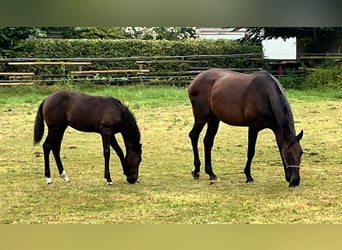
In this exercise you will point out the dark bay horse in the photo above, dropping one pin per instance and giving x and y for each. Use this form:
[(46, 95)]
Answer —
[(254, 100), (104, 115)]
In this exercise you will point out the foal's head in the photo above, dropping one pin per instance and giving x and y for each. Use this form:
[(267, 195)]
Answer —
[(132, 163), (131, 135), (292, 156)]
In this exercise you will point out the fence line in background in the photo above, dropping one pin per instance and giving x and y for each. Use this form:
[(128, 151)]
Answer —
[(31, 68)]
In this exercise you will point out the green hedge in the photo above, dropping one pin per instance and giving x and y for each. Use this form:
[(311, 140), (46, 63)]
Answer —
[(324, 77), (87, 48), (315, 78)]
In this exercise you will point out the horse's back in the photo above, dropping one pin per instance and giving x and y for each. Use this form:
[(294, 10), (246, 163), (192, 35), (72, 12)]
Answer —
[(216, 78), (203, 82), (81, 111), (235, 98)]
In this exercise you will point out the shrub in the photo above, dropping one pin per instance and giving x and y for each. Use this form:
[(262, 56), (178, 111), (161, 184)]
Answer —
[(292, 81), (324, 77), (102, 48)]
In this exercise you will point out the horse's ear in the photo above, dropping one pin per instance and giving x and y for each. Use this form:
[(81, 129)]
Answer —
[(300, 135)]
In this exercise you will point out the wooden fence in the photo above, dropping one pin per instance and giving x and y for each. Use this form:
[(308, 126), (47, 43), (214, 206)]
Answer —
[(31, 69), (28, 71)]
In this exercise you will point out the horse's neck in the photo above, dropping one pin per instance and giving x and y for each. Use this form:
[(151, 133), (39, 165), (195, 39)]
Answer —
[(130, 133), (287, 116), (289, 122)]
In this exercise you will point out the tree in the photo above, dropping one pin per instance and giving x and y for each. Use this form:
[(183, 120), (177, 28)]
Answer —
[(158, 33), (311, 39), (10, 36), (95, 33)]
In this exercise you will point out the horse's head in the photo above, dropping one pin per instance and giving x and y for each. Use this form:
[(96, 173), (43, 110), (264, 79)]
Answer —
[(131, 164), (292, 156)]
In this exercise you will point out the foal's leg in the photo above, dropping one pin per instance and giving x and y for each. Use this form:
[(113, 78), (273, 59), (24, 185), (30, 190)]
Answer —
[(115, 145), (106, 139), (47, 150), (194, 135), (56, 149), (213, 125), (53, 142), (252, 137)]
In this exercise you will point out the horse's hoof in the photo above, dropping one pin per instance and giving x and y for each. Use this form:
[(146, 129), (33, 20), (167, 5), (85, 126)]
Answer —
[(213, 181), (213, 178), (48, 181), (250, 180), (195, 175), (64, 176), (109, 183), (66, 179)]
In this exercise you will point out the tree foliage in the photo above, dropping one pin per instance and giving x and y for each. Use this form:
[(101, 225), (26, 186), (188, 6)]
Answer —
[(93, 32), (313, 39), (9, 36), (159, 33)]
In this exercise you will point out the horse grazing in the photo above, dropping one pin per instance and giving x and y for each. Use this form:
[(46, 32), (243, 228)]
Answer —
[(104, 115), (254, 100)]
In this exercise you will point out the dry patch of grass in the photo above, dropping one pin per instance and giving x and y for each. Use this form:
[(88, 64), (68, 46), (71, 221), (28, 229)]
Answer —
[(167, 193)]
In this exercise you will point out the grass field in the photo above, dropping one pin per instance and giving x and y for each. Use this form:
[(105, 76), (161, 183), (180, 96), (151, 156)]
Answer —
[(167, 193)]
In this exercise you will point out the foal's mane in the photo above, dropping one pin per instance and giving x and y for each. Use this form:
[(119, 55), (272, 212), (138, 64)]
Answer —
[(130, 128), (288, 124)]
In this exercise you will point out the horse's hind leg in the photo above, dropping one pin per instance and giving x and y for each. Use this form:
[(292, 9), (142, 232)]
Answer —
[(47, 150), (53, 142), (56, 149), (213, 125), (194, 135)]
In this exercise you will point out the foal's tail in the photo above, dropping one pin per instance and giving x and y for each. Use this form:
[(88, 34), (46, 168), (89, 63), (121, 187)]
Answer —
[(39, 125)]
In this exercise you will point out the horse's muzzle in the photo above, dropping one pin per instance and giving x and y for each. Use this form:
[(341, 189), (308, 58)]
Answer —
[(294, 182), (132, 179)]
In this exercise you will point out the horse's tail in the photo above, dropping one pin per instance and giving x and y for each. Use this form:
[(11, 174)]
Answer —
[(39, 125)]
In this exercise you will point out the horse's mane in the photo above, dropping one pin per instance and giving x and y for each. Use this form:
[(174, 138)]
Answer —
[(285, 106), (130, 127)]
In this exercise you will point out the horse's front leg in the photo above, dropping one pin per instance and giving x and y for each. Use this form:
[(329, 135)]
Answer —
[(53, 142), (115, 145), (106, 138), (252, 137)]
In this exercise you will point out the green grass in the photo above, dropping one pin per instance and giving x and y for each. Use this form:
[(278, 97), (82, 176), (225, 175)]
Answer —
[(167, 193), (146, 95)]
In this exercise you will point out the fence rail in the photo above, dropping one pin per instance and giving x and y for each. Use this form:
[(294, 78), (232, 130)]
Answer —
[(33, 70), (131, 58)]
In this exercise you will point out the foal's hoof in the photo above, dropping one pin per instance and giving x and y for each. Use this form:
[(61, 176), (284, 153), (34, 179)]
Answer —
[(64, 176), (195, 175), (48, 181), (65, 179), (249, 180)]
